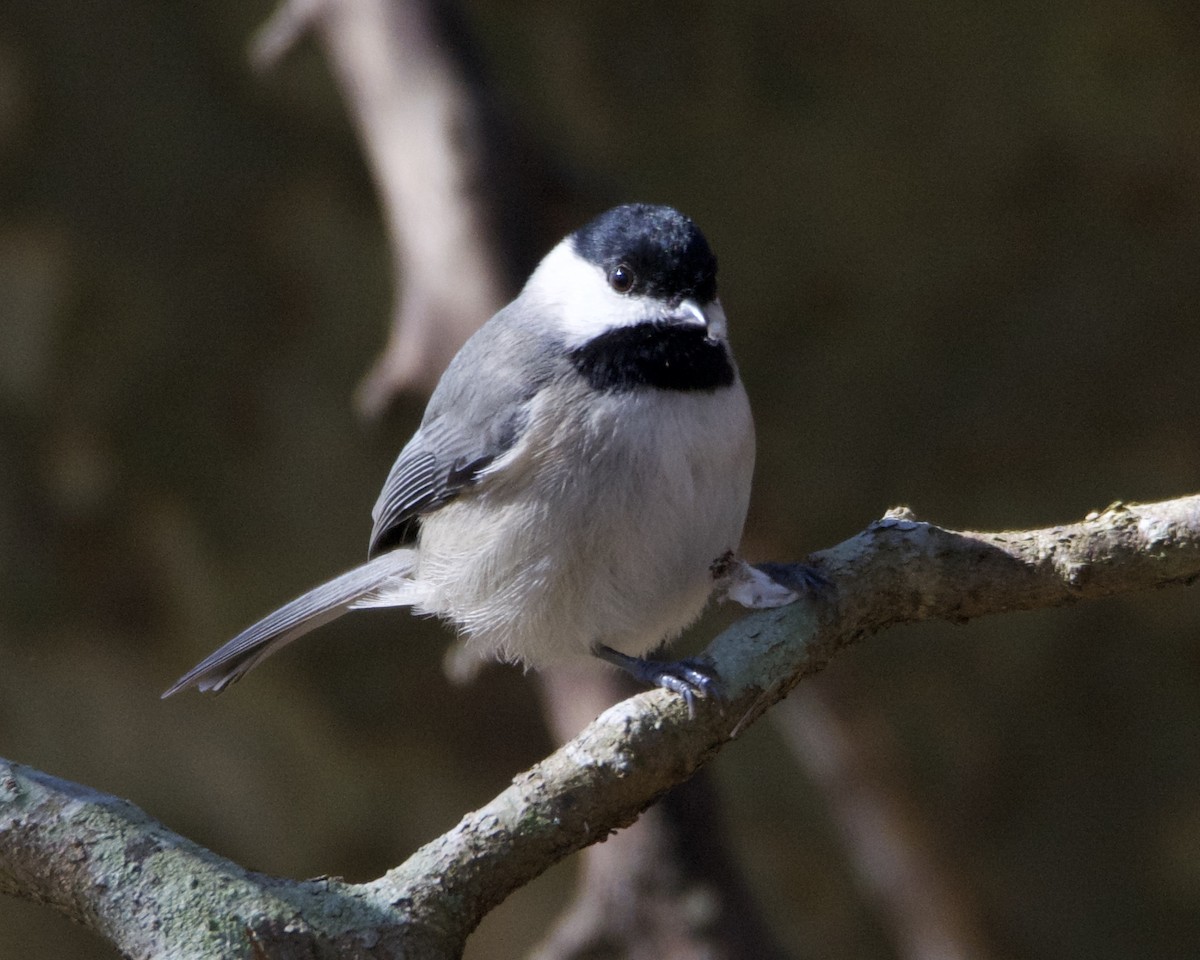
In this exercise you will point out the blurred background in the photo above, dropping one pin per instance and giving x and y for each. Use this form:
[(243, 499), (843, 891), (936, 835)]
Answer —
[(959, 253)]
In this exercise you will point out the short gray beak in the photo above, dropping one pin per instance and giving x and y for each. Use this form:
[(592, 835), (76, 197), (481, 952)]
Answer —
[(711, 317), (690, 312)]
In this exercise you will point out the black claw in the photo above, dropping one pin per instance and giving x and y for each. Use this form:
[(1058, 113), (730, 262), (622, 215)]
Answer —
[(689, 678)]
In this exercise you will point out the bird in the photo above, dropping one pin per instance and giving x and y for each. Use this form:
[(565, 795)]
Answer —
[(580, 477)]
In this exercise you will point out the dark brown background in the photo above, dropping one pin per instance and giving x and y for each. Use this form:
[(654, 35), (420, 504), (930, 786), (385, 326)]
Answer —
[(959, 253)]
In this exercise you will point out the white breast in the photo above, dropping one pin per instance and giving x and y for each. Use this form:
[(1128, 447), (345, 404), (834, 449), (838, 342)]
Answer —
[(594, 529)]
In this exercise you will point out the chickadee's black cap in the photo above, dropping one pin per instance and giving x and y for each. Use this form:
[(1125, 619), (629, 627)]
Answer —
[(669, 256)]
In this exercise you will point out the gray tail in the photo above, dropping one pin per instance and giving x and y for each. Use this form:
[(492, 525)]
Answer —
[(320, 605)]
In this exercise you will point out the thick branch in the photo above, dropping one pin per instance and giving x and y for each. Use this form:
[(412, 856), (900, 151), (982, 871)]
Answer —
[(152, 893), (108, 865)]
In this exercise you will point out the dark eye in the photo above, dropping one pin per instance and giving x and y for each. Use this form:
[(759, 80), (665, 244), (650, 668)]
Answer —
[(621, 278)]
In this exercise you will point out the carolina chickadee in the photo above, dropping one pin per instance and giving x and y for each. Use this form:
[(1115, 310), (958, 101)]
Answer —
[(581, 469)]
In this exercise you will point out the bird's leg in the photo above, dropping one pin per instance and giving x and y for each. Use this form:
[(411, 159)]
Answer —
[(689, 678)]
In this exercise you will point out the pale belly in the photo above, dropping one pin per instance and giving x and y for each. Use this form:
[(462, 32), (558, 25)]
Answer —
[(603, 533)]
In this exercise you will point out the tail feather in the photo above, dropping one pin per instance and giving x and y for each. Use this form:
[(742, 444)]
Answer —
[(320, 605)]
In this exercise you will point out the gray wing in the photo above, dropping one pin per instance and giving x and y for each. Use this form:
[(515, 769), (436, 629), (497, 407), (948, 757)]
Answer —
[(431, 470), (477, 413)]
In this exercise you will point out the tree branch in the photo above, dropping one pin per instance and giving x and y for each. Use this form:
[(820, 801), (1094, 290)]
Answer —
[(667, 887), (853, 756), (151, 892), (442, 155)]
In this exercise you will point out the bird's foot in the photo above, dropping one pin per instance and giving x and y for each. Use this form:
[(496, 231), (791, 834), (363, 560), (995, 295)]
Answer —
[(800, 577), (764, 585), (690, 678)]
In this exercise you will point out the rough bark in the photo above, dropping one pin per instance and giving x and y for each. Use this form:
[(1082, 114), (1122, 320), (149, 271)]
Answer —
[(667, 887), (152, 893)]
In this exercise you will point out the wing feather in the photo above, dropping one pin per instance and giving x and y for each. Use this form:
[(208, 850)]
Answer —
[(441, 460)]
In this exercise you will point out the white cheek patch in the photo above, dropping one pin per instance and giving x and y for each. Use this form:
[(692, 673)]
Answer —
[(576, 293)]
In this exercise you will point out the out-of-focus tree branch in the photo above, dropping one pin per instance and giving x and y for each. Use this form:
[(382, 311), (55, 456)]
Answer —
[(429, 133), (151, 892), (922, 897)]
